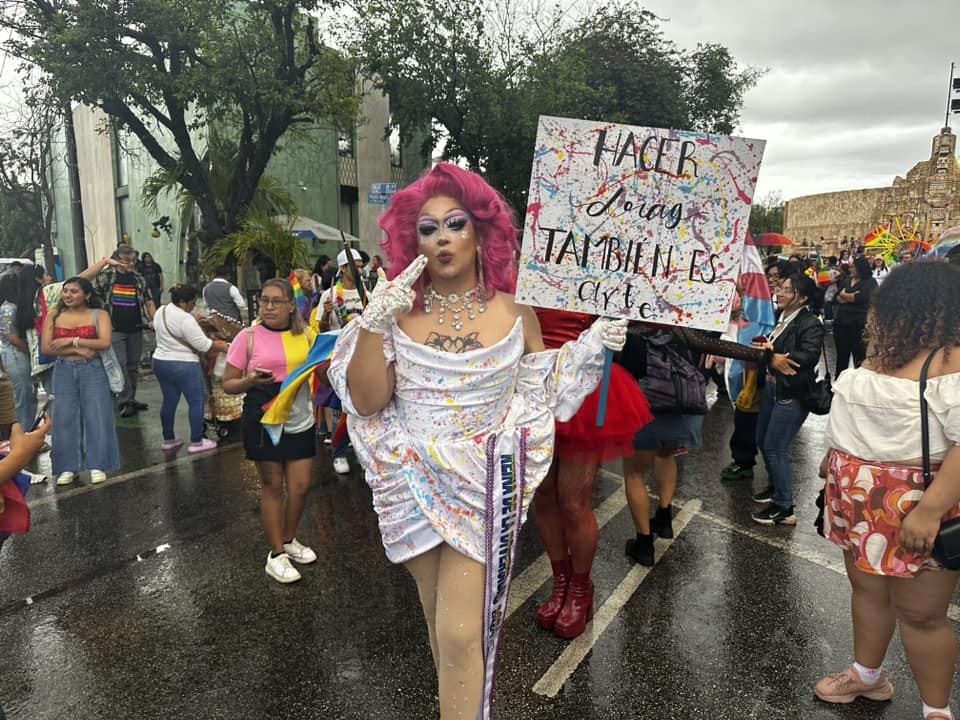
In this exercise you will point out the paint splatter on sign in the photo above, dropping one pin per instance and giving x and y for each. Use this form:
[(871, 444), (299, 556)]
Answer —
[(637, 222)]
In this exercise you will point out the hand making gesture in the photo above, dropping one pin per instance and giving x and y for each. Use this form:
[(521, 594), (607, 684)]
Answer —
[(392, 298)]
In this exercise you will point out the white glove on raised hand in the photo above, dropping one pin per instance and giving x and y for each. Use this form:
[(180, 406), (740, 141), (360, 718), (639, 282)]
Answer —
[(613, 334), (391, 298)]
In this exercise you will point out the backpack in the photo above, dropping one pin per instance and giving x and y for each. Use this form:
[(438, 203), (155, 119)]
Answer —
[(673, 383)]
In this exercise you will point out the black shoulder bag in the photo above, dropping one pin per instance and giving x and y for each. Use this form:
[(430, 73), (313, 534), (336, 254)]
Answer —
[(820, 395), (946, 548)]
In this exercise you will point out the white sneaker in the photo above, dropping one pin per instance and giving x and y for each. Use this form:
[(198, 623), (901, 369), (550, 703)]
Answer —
[(300, 554), (280, 569), (36, 478), (65, 478), (97, 476), (341, 465)]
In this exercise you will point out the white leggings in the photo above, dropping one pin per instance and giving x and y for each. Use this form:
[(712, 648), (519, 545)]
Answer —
[(451, 592)]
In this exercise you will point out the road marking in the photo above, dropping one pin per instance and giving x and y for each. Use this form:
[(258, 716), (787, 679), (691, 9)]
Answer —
[(808, 554), (57, 496), (561, 670), (524, 585)]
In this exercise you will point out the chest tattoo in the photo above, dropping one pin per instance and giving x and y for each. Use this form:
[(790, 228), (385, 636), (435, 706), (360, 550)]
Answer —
[(450, 344)]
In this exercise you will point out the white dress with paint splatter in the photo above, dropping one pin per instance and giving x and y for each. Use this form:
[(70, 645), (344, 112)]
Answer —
[(426, 453)]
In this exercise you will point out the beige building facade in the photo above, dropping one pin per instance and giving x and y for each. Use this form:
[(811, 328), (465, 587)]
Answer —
[(927, 200)]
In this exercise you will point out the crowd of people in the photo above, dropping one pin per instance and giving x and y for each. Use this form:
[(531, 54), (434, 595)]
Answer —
[(466, 410)]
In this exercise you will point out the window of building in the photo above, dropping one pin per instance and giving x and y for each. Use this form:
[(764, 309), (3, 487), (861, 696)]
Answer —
[(346, 142)]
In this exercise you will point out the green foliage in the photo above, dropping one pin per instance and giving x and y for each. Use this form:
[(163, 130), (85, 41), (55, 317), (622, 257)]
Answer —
[(259, 233), (220, 161), (483, 85), (165, 69), (766, 215), (19, 229)]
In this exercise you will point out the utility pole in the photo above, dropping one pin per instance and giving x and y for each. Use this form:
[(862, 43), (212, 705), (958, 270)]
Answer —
[(953, 105), (76, 204)]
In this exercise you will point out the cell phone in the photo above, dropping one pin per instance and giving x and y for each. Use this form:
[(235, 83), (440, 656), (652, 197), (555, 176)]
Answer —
[(760, 339), (263, 373), (41, 412)]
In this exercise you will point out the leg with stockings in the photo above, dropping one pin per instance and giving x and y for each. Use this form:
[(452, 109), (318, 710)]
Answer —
[(455, 604), (575, 483), (546, 511)]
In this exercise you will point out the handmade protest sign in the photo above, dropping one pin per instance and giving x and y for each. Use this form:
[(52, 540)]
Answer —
[(636, 222)]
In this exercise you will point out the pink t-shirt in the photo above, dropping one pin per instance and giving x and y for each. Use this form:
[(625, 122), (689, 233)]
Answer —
[(279, 352)]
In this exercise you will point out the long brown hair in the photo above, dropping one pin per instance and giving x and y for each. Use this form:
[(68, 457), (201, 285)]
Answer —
[(297, 323)]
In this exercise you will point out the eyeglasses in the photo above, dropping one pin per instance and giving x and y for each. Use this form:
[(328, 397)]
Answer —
[(273, 302)]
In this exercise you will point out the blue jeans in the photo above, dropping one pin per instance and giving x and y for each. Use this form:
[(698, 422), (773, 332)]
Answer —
[(777, 425), (17, 364), (178, 377), (86, 435)]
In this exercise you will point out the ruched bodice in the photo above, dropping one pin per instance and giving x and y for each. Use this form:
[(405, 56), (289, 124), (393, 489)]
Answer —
[(440, 401), (431, 453)]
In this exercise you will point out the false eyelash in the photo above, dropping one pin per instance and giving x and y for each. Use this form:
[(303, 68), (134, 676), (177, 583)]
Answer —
[(456, 223), (428, 228)]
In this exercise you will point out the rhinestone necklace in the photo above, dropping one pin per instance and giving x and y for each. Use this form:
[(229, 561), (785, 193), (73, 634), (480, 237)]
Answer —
[(456, 304)]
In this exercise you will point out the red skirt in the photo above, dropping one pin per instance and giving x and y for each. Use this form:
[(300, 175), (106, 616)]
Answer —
[(580, 440)]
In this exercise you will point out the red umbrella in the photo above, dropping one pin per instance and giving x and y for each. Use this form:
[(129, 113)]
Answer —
[(771, 239)]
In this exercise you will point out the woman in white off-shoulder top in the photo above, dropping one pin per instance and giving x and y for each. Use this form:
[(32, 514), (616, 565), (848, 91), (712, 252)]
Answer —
[(876, 507)]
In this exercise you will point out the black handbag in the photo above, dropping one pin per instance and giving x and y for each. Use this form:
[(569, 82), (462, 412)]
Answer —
[(820, 395), (946, 548)]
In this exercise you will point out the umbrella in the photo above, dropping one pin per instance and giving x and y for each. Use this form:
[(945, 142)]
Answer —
[(310, 229), (771, 239), (948, 240)]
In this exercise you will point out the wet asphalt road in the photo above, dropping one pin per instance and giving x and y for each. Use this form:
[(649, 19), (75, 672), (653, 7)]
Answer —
[(145, 597)]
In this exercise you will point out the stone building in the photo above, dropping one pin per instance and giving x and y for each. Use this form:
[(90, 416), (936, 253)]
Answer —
[(927, 199)]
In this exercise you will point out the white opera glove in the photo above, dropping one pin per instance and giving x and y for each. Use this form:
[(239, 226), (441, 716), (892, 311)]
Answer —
[(613, 334), (391, 298)]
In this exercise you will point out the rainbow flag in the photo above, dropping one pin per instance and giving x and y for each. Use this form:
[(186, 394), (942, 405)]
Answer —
[(278, 409), (303, 303)]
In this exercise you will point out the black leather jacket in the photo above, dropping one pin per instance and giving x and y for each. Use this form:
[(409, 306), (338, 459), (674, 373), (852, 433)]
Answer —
[(803, 340)]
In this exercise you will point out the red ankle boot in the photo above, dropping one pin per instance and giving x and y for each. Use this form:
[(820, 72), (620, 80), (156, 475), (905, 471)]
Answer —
[(577, 609), (547, 613)]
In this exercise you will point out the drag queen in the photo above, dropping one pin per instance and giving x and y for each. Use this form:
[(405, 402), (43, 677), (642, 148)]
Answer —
[(451, 401)]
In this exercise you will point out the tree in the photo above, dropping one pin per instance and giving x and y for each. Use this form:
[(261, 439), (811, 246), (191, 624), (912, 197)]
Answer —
[(26, 171), (766, 215), (220, 161), (260, 233), (167, 71), (484, 89)]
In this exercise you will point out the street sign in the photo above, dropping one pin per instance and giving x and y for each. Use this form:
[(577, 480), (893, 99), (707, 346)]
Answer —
[(378, 198), (383, 188)]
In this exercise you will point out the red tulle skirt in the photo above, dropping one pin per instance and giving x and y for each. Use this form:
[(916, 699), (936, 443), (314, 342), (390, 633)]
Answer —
[(580, 440)]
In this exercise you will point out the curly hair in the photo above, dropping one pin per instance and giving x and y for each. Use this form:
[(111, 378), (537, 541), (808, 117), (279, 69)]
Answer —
[(492, 217), (915, 308)]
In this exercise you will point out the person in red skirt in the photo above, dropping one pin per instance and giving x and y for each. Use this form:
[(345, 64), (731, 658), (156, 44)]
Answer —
[(564, 514)]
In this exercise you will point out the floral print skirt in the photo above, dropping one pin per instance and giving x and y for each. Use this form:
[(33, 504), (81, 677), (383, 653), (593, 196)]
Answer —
[(866, 503)]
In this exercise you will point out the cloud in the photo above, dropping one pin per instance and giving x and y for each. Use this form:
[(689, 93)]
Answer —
[(854, 89)]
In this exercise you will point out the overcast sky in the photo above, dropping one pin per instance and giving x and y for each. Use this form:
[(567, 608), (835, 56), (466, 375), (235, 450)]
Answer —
[(856, 89)]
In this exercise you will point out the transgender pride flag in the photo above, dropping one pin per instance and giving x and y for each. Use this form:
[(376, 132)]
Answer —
[(758, 316)]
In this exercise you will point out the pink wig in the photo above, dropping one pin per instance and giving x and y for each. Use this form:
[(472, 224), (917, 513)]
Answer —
[(492, 218)]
